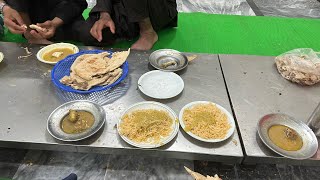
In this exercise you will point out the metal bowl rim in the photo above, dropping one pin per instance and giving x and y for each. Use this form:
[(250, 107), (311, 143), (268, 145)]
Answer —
[(224, 110), (280, 153), (52, 46), (156, 71), (169, 70), (87, 136), (151, 146)]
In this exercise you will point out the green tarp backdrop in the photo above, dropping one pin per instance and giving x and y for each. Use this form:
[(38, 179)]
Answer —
[(228, 34)]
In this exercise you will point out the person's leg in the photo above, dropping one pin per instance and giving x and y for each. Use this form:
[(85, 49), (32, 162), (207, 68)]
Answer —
[(151, 15), (1, 27), (148, 36), (81, 31), (66, 32), (138, 12), (163, 13)]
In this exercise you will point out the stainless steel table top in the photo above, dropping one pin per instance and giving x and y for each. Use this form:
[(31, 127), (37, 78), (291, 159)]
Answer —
[(256, 89), (28, 97)]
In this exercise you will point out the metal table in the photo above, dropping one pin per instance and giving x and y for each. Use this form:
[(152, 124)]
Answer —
[(256, 89), (28, 97)]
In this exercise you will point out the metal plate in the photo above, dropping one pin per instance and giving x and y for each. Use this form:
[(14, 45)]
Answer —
[(230, 120), (310, 143), (156, 106), (54, 120), (160, 85), (159, 58), (50, 47)]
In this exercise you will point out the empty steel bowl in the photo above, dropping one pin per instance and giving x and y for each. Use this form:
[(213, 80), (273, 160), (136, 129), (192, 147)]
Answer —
[(168, 60)]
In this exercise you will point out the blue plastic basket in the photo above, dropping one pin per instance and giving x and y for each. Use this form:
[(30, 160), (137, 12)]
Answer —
[(62, 68)]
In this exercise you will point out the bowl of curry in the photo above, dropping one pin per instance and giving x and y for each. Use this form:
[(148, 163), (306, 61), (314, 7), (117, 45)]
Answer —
[(287, 136), (54, 53), (76, 120)]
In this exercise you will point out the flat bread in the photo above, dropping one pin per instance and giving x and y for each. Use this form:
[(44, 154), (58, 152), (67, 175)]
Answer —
[(97, 81), (89, 70), (115, 75), (89, 65), (78, 60), (37, 28), (24, 26), (74, 83), (117, 59)]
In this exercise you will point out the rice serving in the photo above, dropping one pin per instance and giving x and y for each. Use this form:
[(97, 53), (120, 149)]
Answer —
[(146, 126), (206, 121)]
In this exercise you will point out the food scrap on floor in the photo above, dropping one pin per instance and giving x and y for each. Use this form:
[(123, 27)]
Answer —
[(198, 176)]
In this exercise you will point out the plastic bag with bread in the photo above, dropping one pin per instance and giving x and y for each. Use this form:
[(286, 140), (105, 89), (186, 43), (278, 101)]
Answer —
[(301, 66)]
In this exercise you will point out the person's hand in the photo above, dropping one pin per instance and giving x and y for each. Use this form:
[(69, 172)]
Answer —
[(35, 40), (49, 29), (13, 20), (104, 22)]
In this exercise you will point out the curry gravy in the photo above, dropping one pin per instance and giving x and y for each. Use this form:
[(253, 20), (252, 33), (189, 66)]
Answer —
[(48, 56), (83, 121), (285, 138)]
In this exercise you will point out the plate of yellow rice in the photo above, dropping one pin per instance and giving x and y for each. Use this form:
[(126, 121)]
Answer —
[(148, 125), (206, 121)]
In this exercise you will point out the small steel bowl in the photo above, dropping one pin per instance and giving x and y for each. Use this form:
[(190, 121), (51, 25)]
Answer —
[(55, 118), (159, 58), (310, 142)]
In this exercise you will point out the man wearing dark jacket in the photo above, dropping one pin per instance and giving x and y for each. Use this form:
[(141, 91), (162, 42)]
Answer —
[(57, 17), (112, 19)]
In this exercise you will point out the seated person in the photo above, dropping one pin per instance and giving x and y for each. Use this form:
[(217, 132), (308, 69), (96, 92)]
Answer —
[(57, 17), (112, 19), (1, 27)]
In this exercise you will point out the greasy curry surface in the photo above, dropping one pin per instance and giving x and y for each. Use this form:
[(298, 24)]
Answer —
[(77, 121), (64, 52), (285, 138)]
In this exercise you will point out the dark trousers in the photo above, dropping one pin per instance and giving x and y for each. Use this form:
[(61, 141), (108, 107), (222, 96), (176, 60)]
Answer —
[(1, 27), (41, 12), (126, 15)]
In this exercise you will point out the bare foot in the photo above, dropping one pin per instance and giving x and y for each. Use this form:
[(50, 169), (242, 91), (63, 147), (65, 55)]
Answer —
[(145, 41)]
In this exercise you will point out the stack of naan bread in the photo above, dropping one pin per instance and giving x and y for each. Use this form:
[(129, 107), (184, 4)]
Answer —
[(90, 70)]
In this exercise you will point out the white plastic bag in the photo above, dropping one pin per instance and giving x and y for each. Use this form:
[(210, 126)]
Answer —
[(301, 66)]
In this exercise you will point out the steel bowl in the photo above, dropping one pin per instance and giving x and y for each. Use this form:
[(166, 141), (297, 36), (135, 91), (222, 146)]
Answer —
[(310, 142), (55, 118), (159, 58)]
